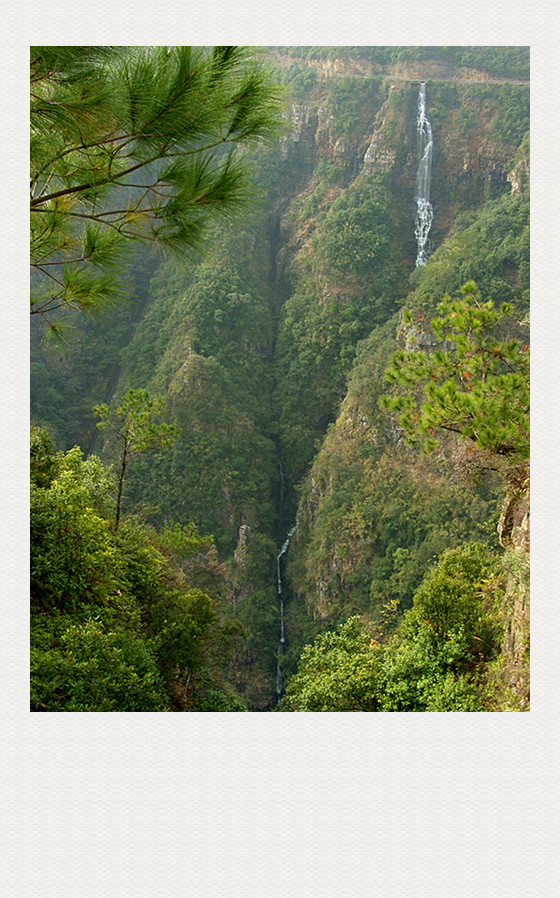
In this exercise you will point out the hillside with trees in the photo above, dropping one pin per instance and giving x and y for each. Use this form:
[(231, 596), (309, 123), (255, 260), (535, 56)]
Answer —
[(231, 342)]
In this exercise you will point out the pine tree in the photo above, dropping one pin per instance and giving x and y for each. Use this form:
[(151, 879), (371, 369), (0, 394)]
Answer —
[(473, 382), (134, 143)]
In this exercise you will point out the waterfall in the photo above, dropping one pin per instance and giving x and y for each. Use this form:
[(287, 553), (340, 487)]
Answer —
[(424, 209), (282, 642)]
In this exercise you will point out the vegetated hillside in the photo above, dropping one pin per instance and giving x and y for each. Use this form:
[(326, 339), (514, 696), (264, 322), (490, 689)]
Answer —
[(270, 351)]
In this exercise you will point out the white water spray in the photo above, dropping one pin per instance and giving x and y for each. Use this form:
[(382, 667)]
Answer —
[(424, 209), (282, 642)]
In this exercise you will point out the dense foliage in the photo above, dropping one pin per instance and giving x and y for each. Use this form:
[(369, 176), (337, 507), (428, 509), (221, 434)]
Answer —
[(437, 660), (115, 624)]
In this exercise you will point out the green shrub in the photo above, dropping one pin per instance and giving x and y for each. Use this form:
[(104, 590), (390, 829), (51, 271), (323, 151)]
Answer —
[(96, 669)]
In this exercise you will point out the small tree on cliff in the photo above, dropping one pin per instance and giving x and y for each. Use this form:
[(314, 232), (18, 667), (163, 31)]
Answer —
[(474, 382), (136, 431)]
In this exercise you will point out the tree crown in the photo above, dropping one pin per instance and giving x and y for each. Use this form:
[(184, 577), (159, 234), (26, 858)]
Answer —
[(472, 380)]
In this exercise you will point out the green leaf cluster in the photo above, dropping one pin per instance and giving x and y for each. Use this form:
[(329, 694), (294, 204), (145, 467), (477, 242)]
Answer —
[(135, 144), (338, 672), (436, 660), (115, 625), (474, 382)]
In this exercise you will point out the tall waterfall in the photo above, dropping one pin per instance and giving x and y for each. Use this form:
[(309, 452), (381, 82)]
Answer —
[(424, 209), (282, 642)]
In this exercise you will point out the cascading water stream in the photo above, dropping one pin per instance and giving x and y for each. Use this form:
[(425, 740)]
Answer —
[(282, 642), (424, 208)]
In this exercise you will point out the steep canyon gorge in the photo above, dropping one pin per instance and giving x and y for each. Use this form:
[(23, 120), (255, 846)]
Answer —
[(270, 353)]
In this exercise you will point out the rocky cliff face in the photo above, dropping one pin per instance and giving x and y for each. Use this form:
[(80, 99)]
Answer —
[(470, 161), (514, 530), (410, 70), (372, 518)]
